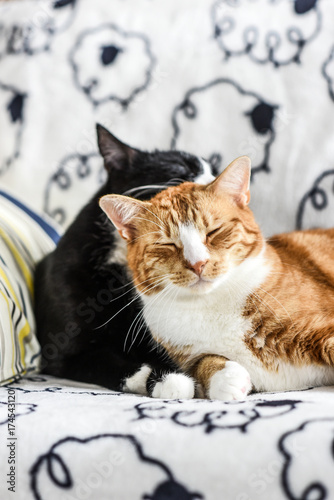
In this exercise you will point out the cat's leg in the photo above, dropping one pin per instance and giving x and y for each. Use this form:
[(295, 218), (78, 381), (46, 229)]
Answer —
[(170, 385), (222, 379), (159, 383), (137, 383)]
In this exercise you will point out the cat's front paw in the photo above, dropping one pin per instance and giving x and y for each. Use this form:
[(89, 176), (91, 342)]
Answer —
[(174, 386), (231, 383), (136, 384)]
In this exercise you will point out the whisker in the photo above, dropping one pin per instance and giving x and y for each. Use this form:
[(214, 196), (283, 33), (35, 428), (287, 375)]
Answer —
[(177, 180), (278, 302), (143, 189), (146, 234), (168, 289), (262, 301), (135, 286), (147, 220), (152, 187), (141, 312), (172, 302), (139, 325), (254, 303), (138, 315), (159, 296), (155, 215), (120, 310)]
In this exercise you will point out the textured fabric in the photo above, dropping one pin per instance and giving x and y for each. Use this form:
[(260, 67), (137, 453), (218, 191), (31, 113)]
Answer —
[(217, 78), (81, 442), (24, 239)]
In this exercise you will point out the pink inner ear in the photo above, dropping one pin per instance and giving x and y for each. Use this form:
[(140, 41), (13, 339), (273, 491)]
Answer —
[(234, 180), (244, 198), (125, 233), (121, 210)]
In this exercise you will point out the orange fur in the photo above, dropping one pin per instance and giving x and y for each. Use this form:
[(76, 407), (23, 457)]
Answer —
[(149, 253), (291, 313), (206, 367)]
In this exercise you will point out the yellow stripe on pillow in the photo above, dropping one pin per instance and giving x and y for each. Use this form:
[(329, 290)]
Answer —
[(24, 240)]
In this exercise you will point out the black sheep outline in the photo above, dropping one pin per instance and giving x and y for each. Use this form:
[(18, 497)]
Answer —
[(7, 163), (228, 53), (124, 103), (171, 481), (264, 166), (288, 459), (328, 78), (60, 390), (53, 389), (206, 423), (31, 408), (311, 194), (25, 28), (59, 213)]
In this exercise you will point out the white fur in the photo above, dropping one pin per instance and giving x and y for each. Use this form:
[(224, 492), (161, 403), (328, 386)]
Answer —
[(137, 383), (174, 386), (206, 176), (231, 383), (214, 323), (194, 249)]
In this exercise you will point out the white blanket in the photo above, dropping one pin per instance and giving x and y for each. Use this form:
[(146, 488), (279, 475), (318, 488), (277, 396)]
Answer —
[(220, 79), (83, 442)]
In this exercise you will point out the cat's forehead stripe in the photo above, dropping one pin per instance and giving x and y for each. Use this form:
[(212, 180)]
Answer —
[(194, 249), (179, 204), (206, 176)]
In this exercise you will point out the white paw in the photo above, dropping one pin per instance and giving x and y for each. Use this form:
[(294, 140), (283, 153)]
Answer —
[(137, 383), (231, 383), (174, 386)]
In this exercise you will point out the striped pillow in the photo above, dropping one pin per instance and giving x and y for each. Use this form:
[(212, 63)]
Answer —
[(25, 238)]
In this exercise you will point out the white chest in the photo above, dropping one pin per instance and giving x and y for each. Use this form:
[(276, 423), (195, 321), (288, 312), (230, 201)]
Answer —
[(205, 331), (214, 324), (199, 324), (209, 323)]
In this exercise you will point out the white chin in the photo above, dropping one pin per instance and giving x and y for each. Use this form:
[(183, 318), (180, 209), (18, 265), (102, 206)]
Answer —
[(201, 287)]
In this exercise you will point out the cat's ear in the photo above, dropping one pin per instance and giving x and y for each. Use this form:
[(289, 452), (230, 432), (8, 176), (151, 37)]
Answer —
[(122, 211), (234, 180), (116, 154)]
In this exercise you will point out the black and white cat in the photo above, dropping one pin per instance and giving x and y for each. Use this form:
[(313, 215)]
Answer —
[(89, 320)]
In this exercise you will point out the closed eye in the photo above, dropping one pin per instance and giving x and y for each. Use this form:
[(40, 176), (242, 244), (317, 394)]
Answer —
[(213, 232), (170, 245)]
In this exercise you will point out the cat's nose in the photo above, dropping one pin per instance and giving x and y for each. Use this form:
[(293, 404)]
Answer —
[(198, 266)]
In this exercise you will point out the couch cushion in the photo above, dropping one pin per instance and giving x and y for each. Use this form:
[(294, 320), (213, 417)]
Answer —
[(24, 238)]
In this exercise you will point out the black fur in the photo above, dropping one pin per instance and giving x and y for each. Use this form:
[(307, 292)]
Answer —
[(77, 291)]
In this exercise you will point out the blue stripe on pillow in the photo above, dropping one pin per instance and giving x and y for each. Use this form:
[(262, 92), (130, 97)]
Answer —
[(50, 231)]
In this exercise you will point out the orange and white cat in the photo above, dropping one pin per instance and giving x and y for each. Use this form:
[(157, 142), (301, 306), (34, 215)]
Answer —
[(235, 311)]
